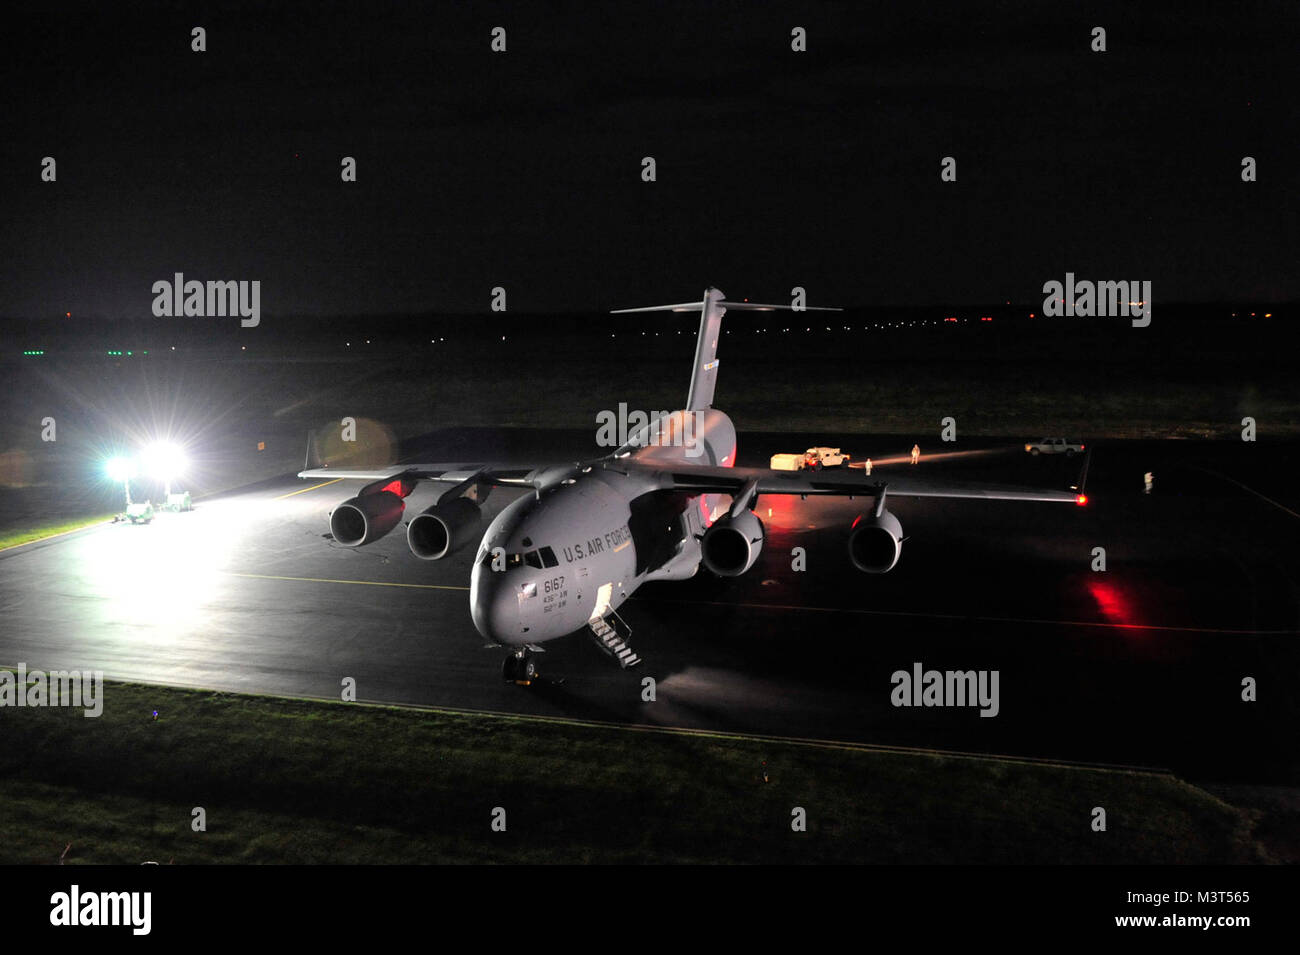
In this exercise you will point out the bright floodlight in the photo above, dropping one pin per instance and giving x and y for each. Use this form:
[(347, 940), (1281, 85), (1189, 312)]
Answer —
[(120, 469), (163, 460)]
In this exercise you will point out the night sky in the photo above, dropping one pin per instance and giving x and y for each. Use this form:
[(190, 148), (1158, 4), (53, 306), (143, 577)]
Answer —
[(523, 169)]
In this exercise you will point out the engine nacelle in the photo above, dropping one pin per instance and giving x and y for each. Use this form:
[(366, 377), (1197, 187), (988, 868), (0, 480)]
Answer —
[(875, 543), (438, 530), (366, 518), (731, 545)]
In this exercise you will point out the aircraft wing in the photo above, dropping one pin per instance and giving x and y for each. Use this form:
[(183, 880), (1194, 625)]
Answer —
[(845, 483), (712, 479), (454, 473)]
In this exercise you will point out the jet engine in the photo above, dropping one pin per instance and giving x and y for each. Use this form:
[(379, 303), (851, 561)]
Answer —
[(876, 542), (366, 517), (731, 545), (438, 530)]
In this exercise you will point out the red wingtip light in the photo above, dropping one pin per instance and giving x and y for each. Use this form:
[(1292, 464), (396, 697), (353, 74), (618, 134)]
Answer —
[(1081, 499)]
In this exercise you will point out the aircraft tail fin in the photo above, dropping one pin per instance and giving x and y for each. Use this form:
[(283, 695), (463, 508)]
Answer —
[(704, 373)]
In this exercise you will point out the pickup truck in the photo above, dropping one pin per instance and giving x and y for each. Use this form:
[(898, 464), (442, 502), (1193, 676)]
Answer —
[(1054, 446)]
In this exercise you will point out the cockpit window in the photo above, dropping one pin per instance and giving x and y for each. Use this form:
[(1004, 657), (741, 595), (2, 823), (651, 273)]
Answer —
[(533, 558)]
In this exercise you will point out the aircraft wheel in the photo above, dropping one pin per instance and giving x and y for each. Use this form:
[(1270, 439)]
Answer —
[(519, 668), (1034, 452)]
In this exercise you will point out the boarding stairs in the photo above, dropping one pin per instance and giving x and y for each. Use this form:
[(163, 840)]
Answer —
[(611, 634)]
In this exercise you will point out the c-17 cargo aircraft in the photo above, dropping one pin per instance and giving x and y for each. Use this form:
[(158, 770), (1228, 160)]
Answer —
[(566, 556)]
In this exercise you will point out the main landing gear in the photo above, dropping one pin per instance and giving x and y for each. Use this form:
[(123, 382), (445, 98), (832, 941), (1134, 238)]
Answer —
[(520, 667)]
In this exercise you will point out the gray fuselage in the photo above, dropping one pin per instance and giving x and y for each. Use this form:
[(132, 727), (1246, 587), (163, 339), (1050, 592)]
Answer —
[(575, 549)]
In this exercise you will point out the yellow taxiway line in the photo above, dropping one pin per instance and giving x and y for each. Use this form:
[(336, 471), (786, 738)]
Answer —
[(366, 583), (306, 489), (50, 537)]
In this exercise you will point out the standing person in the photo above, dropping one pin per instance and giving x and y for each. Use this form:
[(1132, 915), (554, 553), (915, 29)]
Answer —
[(916, 453), (868, 465)]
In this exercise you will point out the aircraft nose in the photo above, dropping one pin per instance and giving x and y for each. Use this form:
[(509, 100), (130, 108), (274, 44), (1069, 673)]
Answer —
[(495, 608)]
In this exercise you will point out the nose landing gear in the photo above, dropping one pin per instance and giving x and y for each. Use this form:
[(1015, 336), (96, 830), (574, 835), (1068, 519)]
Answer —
[(520, 667)]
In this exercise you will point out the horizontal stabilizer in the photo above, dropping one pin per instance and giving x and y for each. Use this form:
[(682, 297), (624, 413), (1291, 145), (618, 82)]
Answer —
[(755, 307), (712, 306), (683, 307), (734, 306)]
